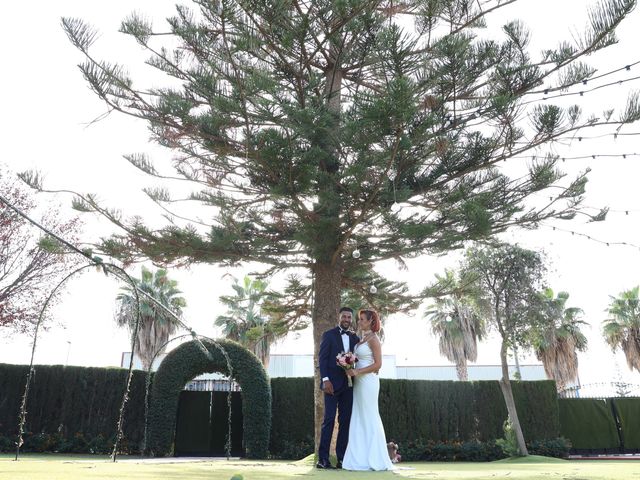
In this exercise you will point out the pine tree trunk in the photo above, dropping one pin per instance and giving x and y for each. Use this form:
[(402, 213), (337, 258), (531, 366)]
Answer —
[(505, 386), (461, 370), (325, 316), (328, 265)]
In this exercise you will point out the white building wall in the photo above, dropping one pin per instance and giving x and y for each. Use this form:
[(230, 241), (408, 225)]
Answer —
[(475, 372), (284, 365), (302, 366)]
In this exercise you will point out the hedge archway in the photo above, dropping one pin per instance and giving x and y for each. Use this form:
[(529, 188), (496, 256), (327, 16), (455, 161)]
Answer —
[(188, 361)]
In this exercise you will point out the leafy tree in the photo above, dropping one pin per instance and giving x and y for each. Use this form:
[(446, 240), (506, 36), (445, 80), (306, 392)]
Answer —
[(315, 129), (622, 328), (31, 263), (558, 338), (156, 325), (506, 280), (457, 325), (248, 320)]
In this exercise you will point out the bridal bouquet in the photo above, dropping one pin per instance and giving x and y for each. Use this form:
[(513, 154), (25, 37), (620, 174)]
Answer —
[(347, 361)]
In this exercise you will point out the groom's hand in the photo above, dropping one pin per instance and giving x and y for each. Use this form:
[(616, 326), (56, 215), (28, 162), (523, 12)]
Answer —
[(327, 387)]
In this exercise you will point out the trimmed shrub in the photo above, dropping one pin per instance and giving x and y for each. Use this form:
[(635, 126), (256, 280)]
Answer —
[(473, 451), (6, 444), (537, 404), (292, 420), (89, 402), (557, 447), (430, 451), (465, 411)]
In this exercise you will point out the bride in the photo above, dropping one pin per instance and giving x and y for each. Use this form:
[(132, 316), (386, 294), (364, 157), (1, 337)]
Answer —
[(367, 447)]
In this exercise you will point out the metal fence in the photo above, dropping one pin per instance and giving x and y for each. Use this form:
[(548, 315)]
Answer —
[(601, 390)]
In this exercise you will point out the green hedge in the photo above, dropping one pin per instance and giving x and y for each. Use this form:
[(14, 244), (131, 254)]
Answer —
[(56, 442), (538, 411), (292, 417), (588, 423), (465, 411), (474, 451), (421, 411), (72, 400), (412, 410)]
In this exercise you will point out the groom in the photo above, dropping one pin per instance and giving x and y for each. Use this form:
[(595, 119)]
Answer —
[(337, 393)]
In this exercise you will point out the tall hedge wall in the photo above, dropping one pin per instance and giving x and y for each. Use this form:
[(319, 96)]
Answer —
[(421, 409), (87, 400), (72, 400), (449, 410), (292, 417)]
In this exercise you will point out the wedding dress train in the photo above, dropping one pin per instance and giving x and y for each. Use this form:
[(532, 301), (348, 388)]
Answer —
[(367, 447)]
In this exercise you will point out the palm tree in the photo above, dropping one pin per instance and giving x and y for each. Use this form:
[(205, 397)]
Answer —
[(156, 325), (622, 329), (456, 324), (247, 320), (558, 339)]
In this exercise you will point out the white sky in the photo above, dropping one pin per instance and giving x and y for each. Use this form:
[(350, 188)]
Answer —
[(47, 105)]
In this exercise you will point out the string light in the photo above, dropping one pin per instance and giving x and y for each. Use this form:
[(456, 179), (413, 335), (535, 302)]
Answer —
[(589, 237), (583, 157), (588, 137), (582, 92), (550, 198), (626, 67), (475, 113)]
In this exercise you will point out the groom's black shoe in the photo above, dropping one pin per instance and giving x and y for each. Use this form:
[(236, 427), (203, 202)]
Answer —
[(324, 465), (339, 465)]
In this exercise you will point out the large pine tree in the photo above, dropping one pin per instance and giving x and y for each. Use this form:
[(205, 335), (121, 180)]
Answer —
[(316, 128)]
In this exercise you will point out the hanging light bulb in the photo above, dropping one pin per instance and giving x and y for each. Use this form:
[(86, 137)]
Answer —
[(356, 253), (373, 289)]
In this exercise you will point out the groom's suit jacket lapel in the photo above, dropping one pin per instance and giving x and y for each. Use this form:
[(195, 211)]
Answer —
[(338, 337), (353, 339)]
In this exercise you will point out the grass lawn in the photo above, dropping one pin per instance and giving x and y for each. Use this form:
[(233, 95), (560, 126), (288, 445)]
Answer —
[(73, 467)]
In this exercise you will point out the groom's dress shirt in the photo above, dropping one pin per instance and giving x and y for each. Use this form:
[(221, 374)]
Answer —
[(345, 340)]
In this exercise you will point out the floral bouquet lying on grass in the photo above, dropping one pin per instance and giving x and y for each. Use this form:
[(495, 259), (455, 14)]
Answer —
[(347, 361)]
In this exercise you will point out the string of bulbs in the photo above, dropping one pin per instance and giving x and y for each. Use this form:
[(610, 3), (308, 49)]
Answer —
[(547, 90), (580, 138), (590, 237), (582, 92), (583, 157)]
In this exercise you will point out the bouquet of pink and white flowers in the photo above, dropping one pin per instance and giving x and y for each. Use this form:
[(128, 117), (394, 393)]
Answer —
[(347, 361)]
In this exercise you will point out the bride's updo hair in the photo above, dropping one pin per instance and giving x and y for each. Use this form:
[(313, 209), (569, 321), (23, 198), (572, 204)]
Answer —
[(372, 315)]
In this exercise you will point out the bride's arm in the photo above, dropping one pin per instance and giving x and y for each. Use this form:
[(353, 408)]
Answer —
[(376, 349)]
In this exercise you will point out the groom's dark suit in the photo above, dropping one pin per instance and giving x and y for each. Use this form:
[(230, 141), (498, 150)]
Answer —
[(342, 398)]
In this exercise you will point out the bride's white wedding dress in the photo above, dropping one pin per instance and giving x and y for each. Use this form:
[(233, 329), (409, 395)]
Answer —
[(367, 447)]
